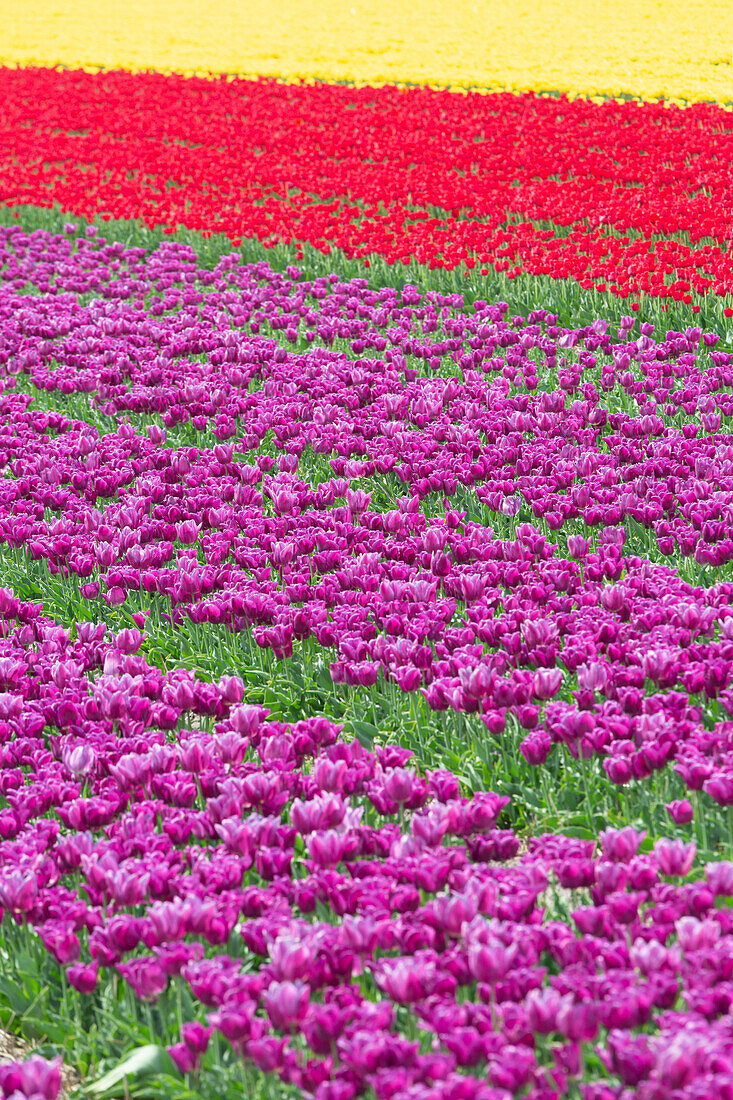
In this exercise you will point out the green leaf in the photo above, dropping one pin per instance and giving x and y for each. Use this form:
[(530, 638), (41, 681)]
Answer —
[(164, 1087), (580, 831), (364, 729), (323, 677), (531, 798), (256, 676), (13, 994), (452, 760), (297, 676), (27, 966), (470, 777), (147, 1061), (271, 698), (31, 1027)]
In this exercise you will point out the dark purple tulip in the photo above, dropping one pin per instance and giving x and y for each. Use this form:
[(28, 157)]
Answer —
[(536, 748), (720, 789), (680, 811), (577, 1021), (83, 978)]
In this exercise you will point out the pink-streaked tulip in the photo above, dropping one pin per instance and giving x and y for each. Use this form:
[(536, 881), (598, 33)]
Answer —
[(79, 760), (547, 683), (675, 858), (286, 1004), (621, 844)]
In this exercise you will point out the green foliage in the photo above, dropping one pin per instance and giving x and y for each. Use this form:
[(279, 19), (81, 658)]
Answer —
[(131, 1076)]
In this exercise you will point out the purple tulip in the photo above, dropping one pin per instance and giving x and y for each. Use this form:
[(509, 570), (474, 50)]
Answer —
[(720, 878), (577, 1021), (327, 847), (344, 870), (80, 760), (83, 978), (18, 891), (286, 1004), (35, 1077), (720, 789), (621, 844), (196, 1037), (405, 981), (680, 811), (543, 1007), (292, 958), (577, 546), (267, 1053), (146, 977), (489, 962), (547, 683), (399, 784), (536, 748), (675, 857)]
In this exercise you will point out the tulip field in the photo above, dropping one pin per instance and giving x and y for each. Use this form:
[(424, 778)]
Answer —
[(366, 551)]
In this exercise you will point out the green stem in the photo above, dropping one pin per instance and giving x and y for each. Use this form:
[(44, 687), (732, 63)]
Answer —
[(700, 821), (586, 788)]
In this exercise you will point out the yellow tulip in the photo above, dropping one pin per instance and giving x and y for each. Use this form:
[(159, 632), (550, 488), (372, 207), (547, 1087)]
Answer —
[(676, 49)]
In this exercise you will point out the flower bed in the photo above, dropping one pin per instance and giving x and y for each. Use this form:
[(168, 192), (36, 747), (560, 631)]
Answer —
[(402, 174), (381, 932), (366, 717), (582, 641)]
